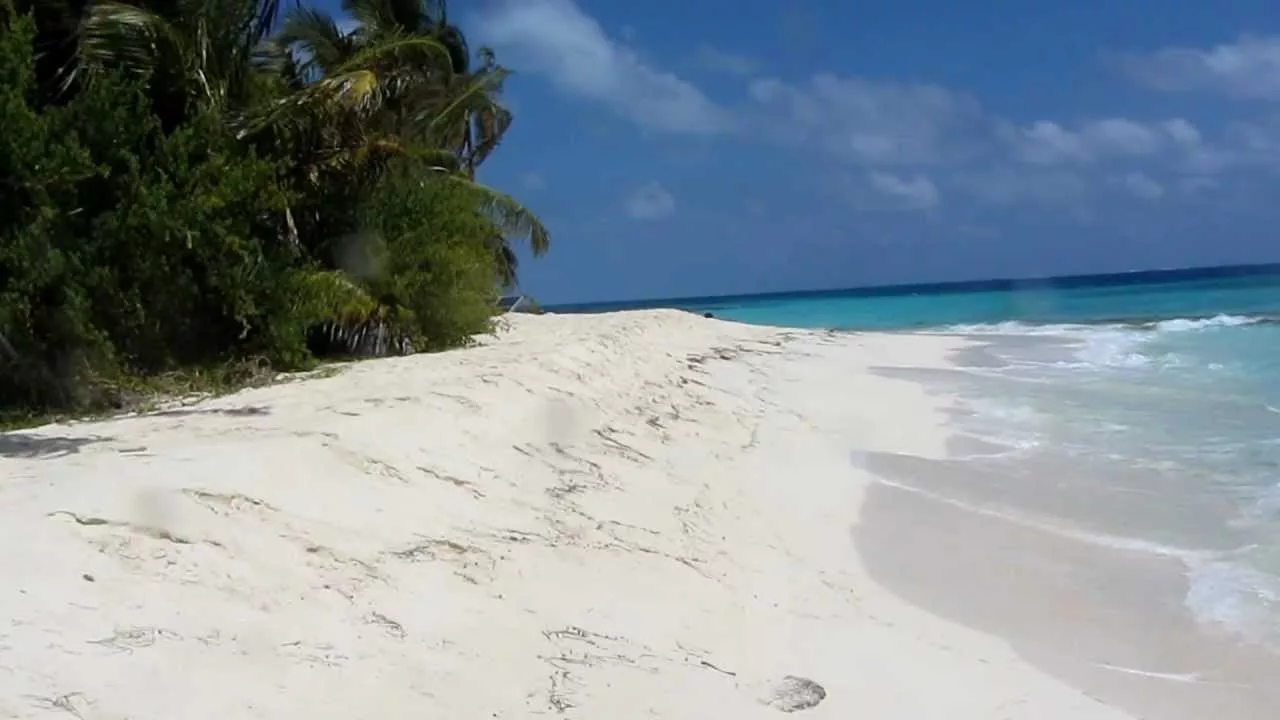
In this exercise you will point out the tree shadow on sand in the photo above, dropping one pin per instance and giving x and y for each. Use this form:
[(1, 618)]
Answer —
[(25, 445)]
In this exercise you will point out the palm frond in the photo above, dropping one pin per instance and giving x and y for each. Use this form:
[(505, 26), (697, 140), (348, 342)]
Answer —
[(507, 262), (359, 89), (507, 214), (129, 37), (360, 85), (473, 95), (375, 16), (454, 39), (438, 159), (316, 37), (265, 21)]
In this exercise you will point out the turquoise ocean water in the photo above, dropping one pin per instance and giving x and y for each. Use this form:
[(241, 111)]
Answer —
[(1140, 410)]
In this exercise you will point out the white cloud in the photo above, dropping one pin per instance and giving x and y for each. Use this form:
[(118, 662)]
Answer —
[(556, 38), (650, 201), (1247, 68), (916, 192), (1259, 139), (1141, 185), (725, 62), (1048, 143), (1240, 145), (872, 122), (896, 130)]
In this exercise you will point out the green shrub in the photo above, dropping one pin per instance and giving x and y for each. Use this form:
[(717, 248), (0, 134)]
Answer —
[(433, 266), (49, 342), (124, 250), (148, 236)]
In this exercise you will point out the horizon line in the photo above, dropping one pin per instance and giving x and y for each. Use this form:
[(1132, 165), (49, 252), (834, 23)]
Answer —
[(1075, 280)]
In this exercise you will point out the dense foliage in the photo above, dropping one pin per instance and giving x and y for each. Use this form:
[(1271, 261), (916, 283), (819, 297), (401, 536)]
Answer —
[(188, 184)]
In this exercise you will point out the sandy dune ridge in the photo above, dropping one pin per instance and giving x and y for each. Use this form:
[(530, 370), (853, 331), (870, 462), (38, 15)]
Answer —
[(642, 514)]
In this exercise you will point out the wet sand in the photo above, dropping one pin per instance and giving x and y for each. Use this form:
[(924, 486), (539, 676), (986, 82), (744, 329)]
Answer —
[(1109, 621)]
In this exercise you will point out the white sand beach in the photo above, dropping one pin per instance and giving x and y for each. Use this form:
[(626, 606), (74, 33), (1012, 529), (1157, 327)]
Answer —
[(632, 515)]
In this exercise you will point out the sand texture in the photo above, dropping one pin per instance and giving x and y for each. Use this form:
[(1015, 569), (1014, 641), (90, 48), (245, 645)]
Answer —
[(633, 515)]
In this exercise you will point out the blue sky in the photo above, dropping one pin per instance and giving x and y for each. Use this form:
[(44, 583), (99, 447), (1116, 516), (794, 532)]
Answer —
[(733, 146)]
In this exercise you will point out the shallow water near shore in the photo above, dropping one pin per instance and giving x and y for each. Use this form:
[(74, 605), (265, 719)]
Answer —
[(1159, 434), (1126, 473), (1163, 439), (1126, 479)]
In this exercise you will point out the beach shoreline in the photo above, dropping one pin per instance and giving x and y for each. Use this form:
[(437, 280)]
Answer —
[(638, 514)]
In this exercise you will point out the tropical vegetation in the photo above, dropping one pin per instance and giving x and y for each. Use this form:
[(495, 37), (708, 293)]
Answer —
[(189, 187)]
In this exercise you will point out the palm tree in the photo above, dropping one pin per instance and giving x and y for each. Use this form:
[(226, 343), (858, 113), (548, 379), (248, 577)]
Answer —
[(413, 17), (391, 88), (342, 105), (192, 51), (403, 79), (482, 120)]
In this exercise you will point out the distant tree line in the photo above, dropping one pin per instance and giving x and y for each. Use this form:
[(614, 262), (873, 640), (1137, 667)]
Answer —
[(188, 186)]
